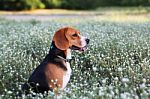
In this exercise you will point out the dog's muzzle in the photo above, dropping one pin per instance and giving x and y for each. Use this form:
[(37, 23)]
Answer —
[(82, 49)]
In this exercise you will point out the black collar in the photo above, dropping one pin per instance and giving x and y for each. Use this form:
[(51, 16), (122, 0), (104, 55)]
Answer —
[(66, 60)]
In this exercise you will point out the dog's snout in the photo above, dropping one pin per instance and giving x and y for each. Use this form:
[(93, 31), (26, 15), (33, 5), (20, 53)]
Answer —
[(87, 40)]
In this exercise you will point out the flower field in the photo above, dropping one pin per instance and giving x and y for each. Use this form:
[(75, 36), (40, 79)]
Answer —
[(116, 64)]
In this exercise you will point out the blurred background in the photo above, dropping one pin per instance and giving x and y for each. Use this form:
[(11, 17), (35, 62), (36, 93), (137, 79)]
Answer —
[(68, 4), (107, 10)]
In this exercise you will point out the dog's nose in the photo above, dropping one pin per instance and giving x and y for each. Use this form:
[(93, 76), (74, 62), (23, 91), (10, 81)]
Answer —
[(87, 40)]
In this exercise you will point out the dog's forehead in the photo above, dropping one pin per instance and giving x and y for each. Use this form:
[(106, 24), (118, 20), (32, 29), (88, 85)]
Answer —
[(72, 31)]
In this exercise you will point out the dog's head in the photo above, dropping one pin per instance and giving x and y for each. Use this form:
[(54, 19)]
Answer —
[(69, 37)]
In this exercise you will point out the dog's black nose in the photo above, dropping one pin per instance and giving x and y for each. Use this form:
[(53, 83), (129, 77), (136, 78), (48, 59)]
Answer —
[(87, 41)]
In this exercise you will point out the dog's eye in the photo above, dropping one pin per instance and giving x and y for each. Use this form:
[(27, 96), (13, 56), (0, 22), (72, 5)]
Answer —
[(74, 35)]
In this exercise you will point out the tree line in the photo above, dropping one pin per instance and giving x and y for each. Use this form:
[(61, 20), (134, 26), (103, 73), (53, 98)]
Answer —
[(67, 4)]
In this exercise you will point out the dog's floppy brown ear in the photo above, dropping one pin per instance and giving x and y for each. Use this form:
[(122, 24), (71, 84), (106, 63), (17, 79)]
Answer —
[(60, 39)]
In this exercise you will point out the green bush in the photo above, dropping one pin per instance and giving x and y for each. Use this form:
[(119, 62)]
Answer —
[(135, 2), (33, 4), (53, 3), (80, 4), (20, 4), (11, 4)]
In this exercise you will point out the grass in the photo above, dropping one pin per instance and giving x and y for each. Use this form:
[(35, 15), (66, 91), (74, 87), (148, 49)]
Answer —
[(100, 10), (117, 14), (124, 10), (116, 64)]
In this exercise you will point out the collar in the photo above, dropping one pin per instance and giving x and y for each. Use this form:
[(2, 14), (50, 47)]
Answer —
[(66, 60)]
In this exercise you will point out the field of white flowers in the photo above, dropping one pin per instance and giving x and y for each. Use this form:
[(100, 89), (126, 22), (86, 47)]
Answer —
[(115, 66)]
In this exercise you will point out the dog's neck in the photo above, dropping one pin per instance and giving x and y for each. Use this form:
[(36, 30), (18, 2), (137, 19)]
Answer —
[(66, 54)]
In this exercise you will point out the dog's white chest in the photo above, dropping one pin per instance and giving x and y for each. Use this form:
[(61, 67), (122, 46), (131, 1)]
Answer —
[(67, 75)]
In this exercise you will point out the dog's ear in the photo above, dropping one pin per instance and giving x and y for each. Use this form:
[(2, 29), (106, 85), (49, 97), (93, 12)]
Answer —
[(60, 39)]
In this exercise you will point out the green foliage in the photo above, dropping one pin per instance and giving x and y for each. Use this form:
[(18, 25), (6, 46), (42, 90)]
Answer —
[(135, 2), (33, 4), (80, 4), (92, 4), (68, 4), (11, 4), (116, 64), (20, 4), (71, 4), (53, 3)]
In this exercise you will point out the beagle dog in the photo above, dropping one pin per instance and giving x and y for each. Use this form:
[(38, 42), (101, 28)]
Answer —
[(54, 71)]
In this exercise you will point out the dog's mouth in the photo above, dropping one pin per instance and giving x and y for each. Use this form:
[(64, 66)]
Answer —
[(81, 49)]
